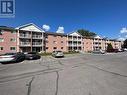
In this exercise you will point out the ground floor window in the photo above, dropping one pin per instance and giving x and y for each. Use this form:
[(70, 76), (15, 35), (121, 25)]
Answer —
[(1, 40), (12, 48), (54, 47), (37, 49), (1, 48)]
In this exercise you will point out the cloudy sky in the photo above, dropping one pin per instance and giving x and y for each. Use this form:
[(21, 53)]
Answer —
[(105, 17)]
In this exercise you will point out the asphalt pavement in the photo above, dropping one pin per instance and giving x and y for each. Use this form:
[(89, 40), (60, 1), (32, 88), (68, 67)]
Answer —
[(79, 74)]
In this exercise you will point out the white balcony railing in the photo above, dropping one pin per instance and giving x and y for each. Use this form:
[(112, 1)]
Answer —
[(74, 39), (25, 36), (25, 44), (74, 44), (37, 36), (37, 43)]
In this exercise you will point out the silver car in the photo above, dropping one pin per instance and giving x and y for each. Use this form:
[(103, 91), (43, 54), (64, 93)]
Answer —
[(99, 51), (12, 57), (57, 54)]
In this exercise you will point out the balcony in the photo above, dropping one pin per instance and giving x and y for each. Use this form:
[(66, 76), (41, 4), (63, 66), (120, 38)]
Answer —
[(37, 36), (25, 44), (97, 45), (37, 44), (74, 39), (75, 45), (69, 39), (25, 36)]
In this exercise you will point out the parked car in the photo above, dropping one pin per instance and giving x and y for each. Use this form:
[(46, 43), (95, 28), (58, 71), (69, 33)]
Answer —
[(112, 50), (99, 51), (57, 54), (31, 55), (125, 49), (120, 50), (12, 57)]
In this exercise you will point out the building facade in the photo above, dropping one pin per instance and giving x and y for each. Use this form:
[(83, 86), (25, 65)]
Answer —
[(31, 38), (55, 41), (102, 43), (8, 39), (74, 42), (87, 44)]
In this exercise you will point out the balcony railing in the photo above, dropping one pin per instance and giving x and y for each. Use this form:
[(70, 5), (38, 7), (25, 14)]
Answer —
[(37, 36), (37, 43), (25, 36), (25, 44), (74, 44), (74, 39)]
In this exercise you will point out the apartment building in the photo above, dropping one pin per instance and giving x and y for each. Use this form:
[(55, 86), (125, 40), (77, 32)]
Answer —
[(24, 38), (55, 41), (102, 43), (98, 43), (74, 42), (8, 39), (30, 37)]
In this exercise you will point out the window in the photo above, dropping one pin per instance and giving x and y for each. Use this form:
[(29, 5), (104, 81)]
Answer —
[(12, 48), (54, 47), (1, 48), (1, 32), (95, 43), (54, 42), (61, 47), (46, 36), (1, 40), (47, 47), (13, 40)]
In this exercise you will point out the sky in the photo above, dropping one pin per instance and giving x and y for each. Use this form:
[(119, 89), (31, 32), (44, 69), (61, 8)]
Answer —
[(104, 17)]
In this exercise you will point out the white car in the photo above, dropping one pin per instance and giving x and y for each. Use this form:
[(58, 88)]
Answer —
[(57, 54), (125, 49)]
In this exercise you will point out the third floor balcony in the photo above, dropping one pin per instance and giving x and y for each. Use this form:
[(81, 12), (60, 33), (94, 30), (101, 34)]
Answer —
[(24, 35)]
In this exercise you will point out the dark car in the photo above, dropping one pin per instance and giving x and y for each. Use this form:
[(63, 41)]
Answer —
[(32, 56), (112, 50), (12, 57)]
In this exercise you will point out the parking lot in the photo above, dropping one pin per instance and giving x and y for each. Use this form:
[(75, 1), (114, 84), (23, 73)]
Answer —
[(77, 74)]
